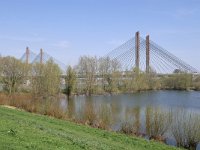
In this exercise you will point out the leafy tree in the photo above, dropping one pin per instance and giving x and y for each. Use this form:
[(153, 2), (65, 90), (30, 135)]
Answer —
[(46, 79), (137, 80), (13, 73), (196, 83), (109, 72), (179, 81), (70, 80), (87, 69)]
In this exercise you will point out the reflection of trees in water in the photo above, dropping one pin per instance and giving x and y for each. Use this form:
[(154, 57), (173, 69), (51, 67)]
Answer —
[(157, 121), (183, 125), (84, 111), (147, 116), (70, 107), (115, 109), (132, 120), (137, 124), (105, 116), (89, 112)]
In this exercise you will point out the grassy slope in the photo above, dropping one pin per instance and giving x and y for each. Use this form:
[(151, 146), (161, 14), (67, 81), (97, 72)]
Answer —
[(22, 130)]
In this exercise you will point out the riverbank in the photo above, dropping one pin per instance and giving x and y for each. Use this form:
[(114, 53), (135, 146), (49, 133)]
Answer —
[(23, 130)]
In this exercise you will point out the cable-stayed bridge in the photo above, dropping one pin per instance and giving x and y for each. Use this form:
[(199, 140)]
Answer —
[(137, 52), (42, 57), (148, 56)]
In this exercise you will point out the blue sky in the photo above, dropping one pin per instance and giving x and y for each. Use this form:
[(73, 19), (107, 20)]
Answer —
[(67, 29)]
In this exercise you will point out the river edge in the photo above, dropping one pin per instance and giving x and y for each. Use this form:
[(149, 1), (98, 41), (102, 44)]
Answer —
[(140, 141)]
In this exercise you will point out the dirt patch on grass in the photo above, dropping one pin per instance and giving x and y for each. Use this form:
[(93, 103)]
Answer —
[(11, 107)]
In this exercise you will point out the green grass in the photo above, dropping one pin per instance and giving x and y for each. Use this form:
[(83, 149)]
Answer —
[(23, 130)]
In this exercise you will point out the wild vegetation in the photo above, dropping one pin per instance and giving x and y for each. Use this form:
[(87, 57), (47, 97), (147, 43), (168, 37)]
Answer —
[(183, 126), (157, 123), (13, 72), (45, 79), (36, 88), (186, 129), (100, 76), (21, 130), (70, 80), (90, 76)]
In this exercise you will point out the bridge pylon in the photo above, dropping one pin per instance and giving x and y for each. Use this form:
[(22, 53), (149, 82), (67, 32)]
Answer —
[(41, 56), (27, 55), (137, 50), (147, 54)]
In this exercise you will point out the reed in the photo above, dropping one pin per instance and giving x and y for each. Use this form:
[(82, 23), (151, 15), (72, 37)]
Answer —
[(157, 123), (186, 129)]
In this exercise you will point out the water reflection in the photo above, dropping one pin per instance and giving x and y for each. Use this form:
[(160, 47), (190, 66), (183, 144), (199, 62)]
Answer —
[(149, 114)]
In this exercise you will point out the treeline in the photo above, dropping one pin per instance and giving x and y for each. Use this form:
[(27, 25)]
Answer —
[(43, 84), (103, 75), (91, 75), (38, 79)]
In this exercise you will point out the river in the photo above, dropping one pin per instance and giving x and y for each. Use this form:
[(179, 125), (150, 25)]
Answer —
[(134, 107)]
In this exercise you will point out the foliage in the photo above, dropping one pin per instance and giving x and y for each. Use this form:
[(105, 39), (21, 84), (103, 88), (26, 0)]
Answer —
[(92, 75), (46, 79), (157, 122), (128, 128), (70, 81), (13, 73), (22, 130), (87, 69), (186, 129), (196, 83), (105, 117), (109, 71), (180, 81)]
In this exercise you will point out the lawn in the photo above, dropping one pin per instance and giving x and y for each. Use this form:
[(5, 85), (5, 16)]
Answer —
[(23, 130)]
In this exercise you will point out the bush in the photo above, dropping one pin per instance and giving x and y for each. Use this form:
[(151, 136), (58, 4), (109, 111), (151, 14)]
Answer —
[(105, 117), (186, 129), (157, 122), (128, 128)]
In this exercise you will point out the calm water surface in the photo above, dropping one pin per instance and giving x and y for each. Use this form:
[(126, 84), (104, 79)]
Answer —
[(126, 107)]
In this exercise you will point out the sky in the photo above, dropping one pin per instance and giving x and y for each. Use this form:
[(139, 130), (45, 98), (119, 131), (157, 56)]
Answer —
[(68, 29)]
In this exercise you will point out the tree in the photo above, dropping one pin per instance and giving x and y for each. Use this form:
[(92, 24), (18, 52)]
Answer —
[(1, 73), (104, 69), (183, 81), (114, 82), (46, 79), (87, 69), (110, 73), (138, 80), (13, 73), (196, 83), (179, 81), (70, 81)]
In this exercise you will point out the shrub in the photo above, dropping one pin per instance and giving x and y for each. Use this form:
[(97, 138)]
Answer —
[(186, 129)]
